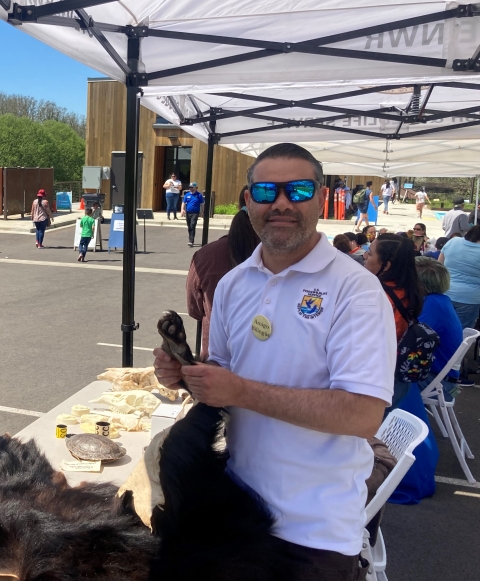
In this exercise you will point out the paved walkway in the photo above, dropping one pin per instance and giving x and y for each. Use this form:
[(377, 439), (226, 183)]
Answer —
[(61, 327), (401, 217)]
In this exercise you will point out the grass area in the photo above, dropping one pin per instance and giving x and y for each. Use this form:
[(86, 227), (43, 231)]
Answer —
[(227, 209)]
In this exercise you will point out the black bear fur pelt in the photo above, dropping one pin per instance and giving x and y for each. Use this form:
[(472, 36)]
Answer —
[(209, 528), (52, 532)]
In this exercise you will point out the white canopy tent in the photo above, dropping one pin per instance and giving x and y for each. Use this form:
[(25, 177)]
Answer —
[(388, 86)]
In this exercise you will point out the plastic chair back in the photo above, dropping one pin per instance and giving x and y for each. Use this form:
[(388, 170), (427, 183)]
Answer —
[(402, 433), (469, 337)]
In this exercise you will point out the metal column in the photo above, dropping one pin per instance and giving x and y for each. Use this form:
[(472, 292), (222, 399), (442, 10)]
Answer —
[(476, 202), (212, 139), (131, 161)]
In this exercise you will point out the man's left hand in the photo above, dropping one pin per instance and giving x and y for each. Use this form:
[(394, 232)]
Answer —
[(214, 385)]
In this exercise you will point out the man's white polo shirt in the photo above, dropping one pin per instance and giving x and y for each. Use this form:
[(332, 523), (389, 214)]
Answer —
[(333, 328)]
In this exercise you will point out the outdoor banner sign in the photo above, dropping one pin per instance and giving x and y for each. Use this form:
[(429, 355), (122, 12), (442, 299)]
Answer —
[(115, 239), (64, 200), (94, 242)]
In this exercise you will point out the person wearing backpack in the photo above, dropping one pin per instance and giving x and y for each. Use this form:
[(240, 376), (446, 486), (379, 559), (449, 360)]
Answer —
[(438, 313), (391, 258), (363, 197)]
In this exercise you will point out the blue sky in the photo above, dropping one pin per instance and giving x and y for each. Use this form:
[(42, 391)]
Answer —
[(29, 67)]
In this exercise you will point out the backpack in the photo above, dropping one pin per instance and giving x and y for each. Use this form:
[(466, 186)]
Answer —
[(416, 347), (360, 197)]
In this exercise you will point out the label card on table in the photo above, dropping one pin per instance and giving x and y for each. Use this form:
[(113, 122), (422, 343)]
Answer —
[(80, 466)]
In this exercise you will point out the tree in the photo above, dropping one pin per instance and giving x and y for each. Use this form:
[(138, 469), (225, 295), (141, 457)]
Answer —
[(22, 106), (28, 143), (71, 151)]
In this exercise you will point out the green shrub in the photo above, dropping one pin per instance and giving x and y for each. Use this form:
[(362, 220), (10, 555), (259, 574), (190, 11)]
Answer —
[(228, 209)]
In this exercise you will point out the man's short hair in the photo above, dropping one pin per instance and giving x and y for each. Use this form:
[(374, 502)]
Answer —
[(88, 211), (433, 276), (290, 150)]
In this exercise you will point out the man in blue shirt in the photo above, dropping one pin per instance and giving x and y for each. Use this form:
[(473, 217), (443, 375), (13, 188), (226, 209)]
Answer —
[(192, 205)]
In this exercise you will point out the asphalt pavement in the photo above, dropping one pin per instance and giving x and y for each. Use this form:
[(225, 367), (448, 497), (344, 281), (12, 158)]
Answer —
[(61, 327)]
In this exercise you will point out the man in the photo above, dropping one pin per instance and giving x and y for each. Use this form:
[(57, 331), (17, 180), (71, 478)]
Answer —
[(456, 221), (173, 188), (285, 356), (192, 205)]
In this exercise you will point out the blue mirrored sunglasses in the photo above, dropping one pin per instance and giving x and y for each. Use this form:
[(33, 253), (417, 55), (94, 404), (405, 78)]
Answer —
[(296, 191)]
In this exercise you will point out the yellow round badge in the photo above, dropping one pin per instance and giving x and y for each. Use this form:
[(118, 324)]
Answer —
[(261, 327)]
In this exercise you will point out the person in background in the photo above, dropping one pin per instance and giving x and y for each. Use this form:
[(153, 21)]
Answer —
[(363, 206), (212, 262), (362, 241), (382, 231), (87, 224), (173, 187), (41, 216), (386, 191), (348, 201), (439, 244), (461, 256), (420, 238), (97, 211), (439, 314), (370, 232), (192, 206), (471, 217), (456, 220), (354, 246), (391, 258), (420, 198), (342, 244)]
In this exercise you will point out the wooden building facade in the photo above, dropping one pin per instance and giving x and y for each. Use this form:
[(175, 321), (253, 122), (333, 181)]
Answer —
[(164, 146)]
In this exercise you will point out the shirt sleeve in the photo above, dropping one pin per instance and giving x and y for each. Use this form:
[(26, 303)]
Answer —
[(194, 293), (218, 338), (365, 318), (202, 199)]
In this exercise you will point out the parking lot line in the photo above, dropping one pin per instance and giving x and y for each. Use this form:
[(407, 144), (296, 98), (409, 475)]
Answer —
[(115, 345), (456, 482), (20, 411), (95, 266)]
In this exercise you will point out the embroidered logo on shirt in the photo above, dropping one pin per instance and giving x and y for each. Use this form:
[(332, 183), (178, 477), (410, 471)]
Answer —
[(311, 305)]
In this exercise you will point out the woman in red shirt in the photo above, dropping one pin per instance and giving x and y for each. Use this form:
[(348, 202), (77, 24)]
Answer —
[(392, 259)]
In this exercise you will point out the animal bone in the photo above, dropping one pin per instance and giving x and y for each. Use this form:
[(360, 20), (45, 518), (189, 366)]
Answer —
[(127, 402), (126, 379)]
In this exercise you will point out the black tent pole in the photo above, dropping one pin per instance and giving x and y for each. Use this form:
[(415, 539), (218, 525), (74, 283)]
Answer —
[(212, 138), (131, 161)]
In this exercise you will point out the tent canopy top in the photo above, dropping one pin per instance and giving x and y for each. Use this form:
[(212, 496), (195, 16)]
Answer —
[(245, 74)]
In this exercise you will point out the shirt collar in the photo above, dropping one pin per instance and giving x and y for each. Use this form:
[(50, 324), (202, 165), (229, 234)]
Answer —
[(317, 259)]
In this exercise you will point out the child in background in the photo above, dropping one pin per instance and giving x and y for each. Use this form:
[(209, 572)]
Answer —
[(87, 224)]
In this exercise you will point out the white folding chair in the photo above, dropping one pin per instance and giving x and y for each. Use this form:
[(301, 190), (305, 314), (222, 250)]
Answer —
[(434, 400), (402, 433)]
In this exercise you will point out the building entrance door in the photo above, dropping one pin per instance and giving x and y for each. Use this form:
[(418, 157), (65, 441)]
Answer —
[(177, 160)]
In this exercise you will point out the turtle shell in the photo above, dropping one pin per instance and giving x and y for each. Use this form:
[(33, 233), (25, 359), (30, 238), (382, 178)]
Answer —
[(93, 447)]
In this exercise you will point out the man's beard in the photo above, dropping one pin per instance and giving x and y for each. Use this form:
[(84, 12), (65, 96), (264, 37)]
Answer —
[(284, 240)]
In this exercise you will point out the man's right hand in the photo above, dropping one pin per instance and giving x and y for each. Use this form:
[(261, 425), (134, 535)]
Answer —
[(167, 370)]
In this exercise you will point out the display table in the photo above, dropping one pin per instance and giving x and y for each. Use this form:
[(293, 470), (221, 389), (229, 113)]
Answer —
[(43, 432)]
